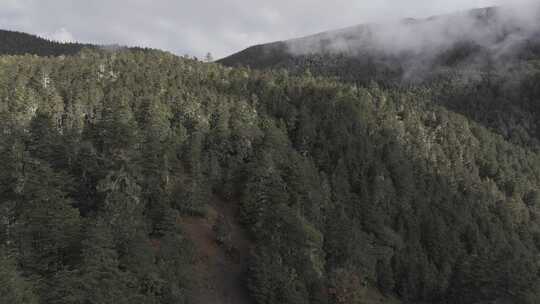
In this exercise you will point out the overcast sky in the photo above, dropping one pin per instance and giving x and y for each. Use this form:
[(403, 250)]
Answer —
[(198, 26)]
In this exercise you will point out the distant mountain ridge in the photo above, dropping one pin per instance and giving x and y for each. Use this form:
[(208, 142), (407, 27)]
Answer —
[(18, 43), (408, 48)]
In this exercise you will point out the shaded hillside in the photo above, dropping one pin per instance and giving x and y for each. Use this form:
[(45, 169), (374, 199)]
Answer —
[(17, 43), (345, 192)]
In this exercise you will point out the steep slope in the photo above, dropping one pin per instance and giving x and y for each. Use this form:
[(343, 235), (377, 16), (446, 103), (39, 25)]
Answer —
[(222, 249)]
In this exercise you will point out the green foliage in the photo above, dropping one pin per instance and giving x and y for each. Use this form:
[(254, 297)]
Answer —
[(13, 287), (99, 278), (270, 281), (346, 287)]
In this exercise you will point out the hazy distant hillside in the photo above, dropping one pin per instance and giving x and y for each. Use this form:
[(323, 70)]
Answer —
[(409, 50), (16, 43)]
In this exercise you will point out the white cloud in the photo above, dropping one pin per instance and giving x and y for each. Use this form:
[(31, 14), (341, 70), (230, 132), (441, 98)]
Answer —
[(61, 35)]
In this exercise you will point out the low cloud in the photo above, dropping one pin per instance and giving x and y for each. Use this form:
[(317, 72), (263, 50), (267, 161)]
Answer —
[(61, 35), (496, 30)]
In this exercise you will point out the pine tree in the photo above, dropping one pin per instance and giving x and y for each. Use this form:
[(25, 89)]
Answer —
[(14, 289), (47, 227), (99, 279)]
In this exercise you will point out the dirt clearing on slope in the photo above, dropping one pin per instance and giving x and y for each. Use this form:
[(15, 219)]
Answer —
[(222, 249)]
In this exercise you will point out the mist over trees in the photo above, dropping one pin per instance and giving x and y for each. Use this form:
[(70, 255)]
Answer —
[(410, 50)]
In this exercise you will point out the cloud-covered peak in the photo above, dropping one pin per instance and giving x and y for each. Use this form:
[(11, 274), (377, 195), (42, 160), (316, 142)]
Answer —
[(197, 27)]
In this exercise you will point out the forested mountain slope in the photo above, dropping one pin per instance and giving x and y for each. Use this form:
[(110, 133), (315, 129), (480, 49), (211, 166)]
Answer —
[(345, 191), (481, 63)]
